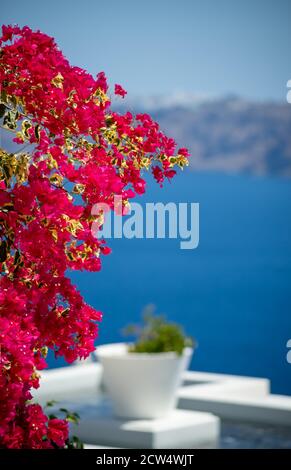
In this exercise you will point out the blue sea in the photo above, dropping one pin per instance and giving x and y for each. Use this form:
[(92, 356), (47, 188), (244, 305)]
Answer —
[(232, 293)]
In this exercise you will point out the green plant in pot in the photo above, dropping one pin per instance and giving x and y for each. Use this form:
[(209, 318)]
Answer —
[(157, 335), (143, 377)]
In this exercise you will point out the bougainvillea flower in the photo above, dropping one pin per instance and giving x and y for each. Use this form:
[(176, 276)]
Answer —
[(74, 152), (118, 90)]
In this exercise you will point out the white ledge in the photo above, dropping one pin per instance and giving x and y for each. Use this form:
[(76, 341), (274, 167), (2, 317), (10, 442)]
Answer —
[(227, 396), (234, 397), (69, 383), (180, 429)]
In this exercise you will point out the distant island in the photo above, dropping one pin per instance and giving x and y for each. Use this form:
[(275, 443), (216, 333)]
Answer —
[(228, 134)]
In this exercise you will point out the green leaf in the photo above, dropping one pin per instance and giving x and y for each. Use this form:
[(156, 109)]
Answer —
[(51, 403), (3, 96), (3, 251), (73, 418), (17, 257), (64, 410), (25, 126), (37, 132), (2, 110), (158, 335), (10, 119), (8, 207), (13, 100), (75, 443), (7, 171)]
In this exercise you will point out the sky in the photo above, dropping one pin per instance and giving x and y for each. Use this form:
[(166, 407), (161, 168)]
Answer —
[(208, 47)]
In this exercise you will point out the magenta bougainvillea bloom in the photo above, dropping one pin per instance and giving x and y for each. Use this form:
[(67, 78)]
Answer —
[(118, 90), (72, 151)]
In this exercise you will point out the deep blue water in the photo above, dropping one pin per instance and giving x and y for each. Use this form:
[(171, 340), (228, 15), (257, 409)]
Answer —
[(233, 293)]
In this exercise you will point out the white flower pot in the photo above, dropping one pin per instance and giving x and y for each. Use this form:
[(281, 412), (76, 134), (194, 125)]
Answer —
[(142, 385)]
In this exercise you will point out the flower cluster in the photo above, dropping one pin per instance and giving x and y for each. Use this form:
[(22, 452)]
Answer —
[(73, 151)]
